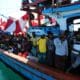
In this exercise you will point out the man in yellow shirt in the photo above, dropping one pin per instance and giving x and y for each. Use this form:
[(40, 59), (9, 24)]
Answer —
[(41, 43)]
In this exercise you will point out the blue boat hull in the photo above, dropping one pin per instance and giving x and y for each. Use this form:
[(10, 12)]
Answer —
[(24, 69)]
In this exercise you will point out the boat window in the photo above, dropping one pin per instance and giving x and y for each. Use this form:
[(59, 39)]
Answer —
[(76, 24), (74, 1)]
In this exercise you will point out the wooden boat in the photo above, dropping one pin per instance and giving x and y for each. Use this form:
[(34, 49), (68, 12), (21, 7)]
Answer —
[(33, 70)]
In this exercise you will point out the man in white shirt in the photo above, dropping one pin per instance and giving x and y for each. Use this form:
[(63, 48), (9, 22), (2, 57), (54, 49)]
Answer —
[(61, 51)]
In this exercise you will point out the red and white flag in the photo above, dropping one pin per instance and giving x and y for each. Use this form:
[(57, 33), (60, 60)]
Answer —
[(9, 22), (0, 21), (2, 25), (17, 27), (24, 22)]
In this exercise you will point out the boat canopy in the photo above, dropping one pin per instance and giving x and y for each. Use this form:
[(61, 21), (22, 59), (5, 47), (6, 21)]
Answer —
[(62, 9)]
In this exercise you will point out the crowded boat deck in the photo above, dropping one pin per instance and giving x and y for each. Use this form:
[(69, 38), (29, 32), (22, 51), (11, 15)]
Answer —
[(45, 44)]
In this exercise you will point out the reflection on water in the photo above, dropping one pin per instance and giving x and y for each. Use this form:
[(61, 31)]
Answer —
[(7, 74)]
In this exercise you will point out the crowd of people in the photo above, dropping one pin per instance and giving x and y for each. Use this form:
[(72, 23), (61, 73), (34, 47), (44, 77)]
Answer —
[(50, 50)]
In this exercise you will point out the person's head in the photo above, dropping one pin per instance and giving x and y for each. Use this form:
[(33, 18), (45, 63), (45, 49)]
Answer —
[(33, 34), (43, 36), (50, 35), (79, 31), (28, 36), (62, 35), (78, 35)]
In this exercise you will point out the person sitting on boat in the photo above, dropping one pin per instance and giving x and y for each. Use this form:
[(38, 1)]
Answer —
[(61, 51), (41, 44)]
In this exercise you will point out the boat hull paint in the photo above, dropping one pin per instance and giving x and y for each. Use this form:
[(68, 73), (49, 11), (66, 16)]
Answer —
[(25, 70)]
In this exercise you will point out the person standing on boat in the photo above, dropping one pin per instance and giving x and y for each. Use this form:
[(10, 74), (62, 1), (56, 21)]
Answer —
[(34, 44), (75, 54), (50, 57), (61, 51), (41, 44)]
